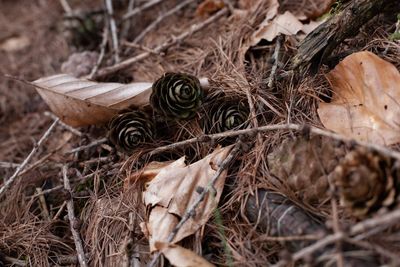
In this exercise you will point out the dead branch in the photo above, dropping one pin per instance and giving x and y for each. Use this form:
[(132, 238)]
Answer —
[(320, 43), (275, 58), (128, 62), (94, 143), (102, 51), (113, 28), (11, 180), (138, 10), (62, 124), (73, 222)]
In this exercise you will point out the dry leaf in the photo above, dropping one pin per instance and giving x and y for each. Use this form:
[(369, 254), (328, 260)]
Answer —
[(208, 7), (15, 43), (285, 23), (147, 173), (182, 257), (81, 102), (174, 190), (365, 103)]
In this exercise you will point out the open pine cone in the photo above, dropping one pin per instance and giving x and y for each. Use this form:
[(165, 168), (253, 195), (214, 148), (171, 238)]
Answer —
[(177, 95), (224, 114), (367, 182), (304, 164), (130, 130)]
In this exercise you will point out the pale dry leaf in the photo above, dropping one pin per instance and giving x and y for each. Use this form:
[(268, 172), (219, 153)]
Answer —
[(15, 43), (146, 174), (364, 106), (208, 7), (80, 102), (181, 257), (285, 23), (176, 187)]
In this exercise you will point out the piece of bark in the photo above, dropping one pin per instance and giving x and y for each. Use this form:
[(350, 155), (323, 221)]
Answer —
[(320, 43)]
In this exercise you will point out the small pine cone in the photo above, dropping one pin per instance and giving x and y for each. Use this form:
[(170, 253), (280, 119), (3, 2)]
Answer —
[(366, 182), (130, 130), (224, 115), (304, 164), (177, 95)]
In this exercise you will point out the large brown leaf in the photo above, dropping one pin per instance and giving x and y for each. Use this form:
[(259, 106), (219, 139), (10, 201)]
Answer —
[(365, 103), (174, 190), (81, 102)]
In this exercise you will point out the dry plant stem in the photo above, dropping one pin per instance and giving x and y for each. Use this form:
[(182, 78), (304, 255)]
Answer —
[(94, 143), (192, 210), (275, 58), (128, 62), (137, 10), (113, 28), (73, 222), (65, 5), (43, 204), (127, 24), (5, 165), (386, 219), (11, 180), (274, 127), (102, 52), (62, 124), (159, 19)]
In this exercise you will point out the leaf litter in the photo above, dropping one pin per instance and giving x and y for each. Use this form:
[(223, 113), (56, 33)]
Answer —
[(107, 191)]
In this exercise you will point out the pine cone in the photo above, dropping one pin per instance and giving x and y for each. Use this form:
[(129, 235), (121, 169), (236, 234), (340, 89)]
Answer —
[(130, 130), (225, 114), (177, 95), (366, 181), (304, 164)]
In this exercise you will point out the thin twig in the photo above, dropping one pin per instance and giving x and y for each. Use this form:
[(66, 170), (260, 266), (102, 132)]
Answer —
[(102, 51), (275, 58), (61, 209), (4, 164), (128, 62), (94, 143), (11, 180), (192, 210), (137, 10), (43, 204), (274, 127), (62, 124), (127, 24), (159, 19), (73, 222), (386, 219), (113, 28), (47, 191), (139, 46), (65, 5)]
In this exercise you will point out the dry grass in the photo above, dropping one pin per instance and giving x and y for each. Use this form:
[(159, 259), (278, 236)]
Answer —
[(109, 214)]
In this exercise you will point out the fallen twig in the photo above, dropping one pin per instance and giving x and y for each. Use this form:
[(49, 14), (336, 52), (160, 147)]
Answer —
[(5, 165), (128, 62), (62, 124), (102, 52), (274, 127), (275, 58), (73, 222), (113, 28), (94, 143), (11, 180), (137, 10), (191, 211), (155, 23)]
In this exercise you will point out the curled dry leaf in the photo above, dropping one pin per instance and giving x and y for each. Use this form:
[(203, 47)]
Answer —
[(208, 7), (174, 190), (181, 257), (80, 102), (365, 103)]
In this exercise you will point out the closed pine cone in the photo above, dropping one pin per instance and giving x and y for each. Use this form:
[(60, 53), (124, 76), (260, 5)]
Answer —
[(366, 181)]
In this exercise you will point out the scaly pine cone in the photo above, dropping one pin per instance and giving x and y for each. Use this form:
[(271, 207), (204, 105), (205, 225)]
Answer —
[(130, 130), (177, 95), (366, 181), (304, 164), (226, 114)]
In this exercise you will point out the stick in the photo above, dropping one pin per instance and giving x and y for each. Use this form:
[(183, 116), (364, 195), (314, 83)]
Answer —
[(73, 222), (155, 23), (113, 28), (128, 62), (62, 124), (275, 57), (102, 52), (65, 5), (192, 210), (127, 24), (10, 181), (289, 126), (94, 143), (5, 165), (137, 10)]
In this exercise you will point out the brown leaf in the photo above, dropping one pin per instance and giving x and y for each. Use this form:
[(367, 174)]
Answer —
[(81, 102), (365, 104), (208, 7), (174, 190), (182, 257)]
